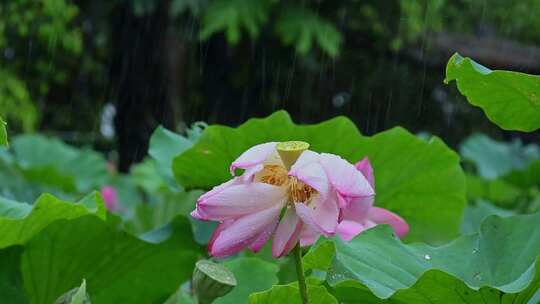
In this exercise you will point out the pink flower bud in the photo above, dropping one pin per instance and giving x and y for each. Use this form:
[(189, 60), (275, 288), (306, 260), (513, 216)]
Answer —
[(110, 197)]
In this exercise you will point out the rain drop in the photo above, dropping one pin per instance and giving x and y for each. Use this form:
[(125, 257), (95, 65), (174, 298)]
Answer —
[(427, 257), (477, 276), (475, 250)]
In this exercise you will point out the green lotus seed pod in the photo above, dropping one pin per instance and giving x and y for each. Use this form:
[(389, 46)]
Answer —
[(211, 280), (289, 151)]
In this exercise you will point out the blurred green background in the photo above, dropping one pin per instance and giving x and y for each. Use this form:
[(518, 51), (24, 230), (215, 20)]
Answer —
[(107, 73)]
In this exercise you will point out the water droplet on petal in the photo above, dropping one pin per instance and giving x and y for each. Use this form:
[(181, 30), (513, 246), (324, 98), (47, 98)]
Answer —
[(427, 257)]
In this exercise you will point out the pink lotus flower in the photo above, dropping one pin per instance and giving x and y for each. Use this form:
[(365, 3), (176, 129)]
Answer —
[(110, 197), (321, 194)]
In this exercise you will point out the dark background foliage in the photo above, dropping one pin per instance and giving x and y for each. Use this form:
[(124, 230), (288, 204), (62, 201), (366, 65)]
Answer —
[(176, 62)]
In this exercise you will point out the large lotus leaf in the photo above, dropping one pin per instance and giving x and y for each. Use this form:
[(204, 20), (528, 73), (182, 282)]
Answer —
[(180, 297), (11, 282), (496, 265), (15, 185), (150, 216), (290, 294), (525, 178), (510, 99), (475, 214), (422, 181), (12, 209), (164, 146), (497, 191), (252, 275), (165, 204), (19, 222), (55, 245), (51, 162), (118, 267), (494, 158), (146, 176), (535, 298)]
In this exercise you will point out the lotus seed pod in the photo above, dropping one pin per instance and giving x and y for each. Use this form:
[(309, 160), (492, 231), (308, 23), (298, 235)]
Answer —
[(289, 151), (211, 280)]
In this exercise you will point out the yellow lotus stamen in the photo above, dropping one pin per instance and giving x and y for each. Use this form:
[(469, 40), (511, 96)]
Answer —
[(299, 192), (274, 175), (290, 151)]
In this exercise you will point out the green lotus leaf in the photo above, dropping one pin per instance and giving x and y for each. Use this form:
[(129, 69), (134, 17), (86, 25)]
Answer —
[(498, 264), (510, 99)]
